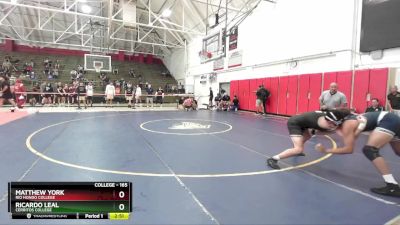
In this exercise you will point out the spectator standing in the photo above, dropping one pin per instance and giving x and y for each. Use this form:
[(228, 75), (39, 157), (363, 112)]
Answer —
[(20, 93), (60, 94), (110, 93), (72, 93), (375, 107), (64, 97), (48, 90), (259, 101), (138, 95), (5, 93), (129, 94), (394, 100), (211, 97), (81, 94), (264, 97), (332, 98), (89, 94), (160, 97), (149, 98)]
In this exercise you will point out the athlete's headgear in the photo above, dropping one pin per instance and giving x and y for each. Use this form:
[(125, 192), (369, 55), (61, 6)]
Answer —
[(336, 115)]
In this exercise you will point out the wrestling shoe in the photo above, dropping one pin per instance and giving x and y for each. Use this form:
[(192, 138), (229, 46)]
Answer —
[(273, 164), (389, 189)]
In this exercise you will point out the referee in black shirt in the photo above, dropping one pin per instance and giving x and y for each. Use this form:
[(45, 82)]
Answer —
[(394, 100)]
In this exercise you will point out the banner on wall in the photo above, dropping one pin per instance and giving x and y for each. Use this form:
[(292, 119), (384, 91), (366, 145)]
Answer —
[(219, 64), (203, 79), (233, 38), (235, 58)]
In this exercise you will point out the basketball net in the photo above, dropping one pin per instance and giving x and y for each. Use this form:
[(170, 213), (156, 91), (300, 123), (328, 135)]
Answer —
[(97, 69), (97, 66)]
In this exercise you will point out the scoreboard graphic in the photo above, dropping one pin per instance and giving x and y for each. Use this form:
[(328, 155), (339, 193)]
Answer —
[(70, 200)]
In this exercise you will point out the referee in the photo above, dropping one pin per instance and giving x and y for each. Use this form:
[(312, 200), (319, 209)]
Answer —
[(332, 98)]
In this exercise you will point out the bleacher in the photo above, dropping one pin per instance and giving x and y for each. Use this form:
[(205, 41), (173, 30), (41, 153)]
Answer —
[(151, 73)]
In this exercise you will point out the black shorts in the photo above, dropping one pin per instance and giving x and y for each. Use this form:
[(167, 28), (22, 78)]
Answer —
[(89, 98), (390, 124), (294, 128), (7, 95)]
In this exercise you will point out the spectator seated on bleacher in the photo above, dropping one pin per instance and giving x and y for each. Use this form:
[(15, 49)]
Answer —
[(104, 79), (57, 64), (32, 75), (132, 73), (31, 63), (34, 98), (28, 69), (73, 74), (46, 69), (7, 64), (46, 62), (80, 69), (55, 73), (79, 76)]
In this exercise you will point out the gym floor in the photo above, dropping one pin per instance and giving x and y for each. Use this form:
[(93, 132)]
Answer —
[(213, 173)]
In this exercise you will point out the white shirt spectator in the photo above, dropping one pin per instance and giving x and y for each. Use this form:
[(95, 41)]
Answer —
[(89, 90), (110, 90), (138, 92)]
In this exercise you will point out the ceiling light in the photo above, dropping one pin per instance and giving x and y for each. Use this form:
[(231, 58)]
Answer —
[(13, 1), (86, 8), (166, 13)]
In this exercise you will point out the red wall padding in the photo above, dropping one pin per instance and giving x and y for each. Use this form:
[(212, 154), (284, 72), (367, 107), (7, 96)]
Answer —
[(378, 79), (233, 88), (304, 87), (244, 87), (273, 99), (344, 81), (282, 95), (297, 94), (361, 83), (291, 100), (315, 91), (252, 94), (329, 77)]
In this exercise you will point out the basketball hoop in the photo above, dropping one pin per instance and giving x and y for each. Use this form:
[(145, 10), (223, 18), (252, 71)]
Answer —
[(98, 65), (204, 55)]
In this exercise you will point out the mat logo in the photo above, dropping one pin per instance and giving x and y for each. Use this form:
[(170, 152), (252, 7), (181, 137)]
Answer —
[(188, 126)]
